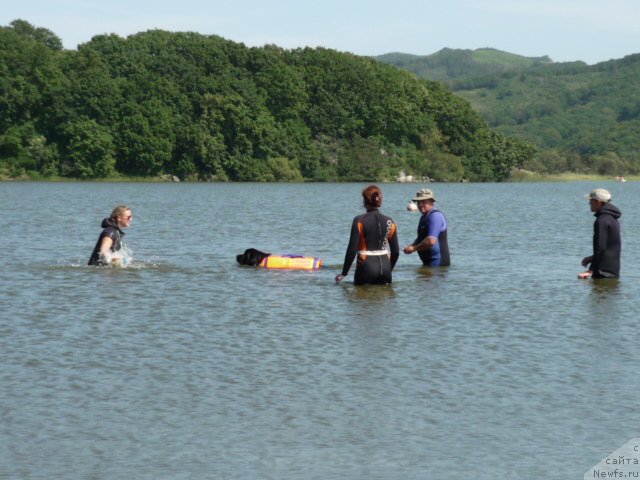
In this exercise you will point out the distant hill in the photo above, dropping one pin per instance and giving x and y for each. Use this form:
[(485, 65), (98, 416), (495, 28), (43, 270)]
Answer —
[(455, 64), (584, 118)]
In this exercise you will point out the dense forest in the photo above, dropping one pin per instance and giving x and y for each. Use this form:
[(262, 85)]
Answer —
[(583, 118), (204, 108)]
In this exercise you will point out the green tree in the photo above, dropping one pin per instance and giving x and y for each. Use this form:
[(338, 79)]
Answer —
[(202, 107), (144, 142), (88, 149), (40, 35)]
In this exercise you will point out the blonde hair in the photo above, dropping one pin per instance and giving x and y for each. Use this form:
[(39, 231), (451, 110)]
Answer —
[(119, 211)]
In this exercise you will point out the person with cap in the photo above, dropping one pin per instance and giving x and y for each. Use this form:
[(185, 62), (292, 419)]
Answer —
[(431, 243), (605, 261), (374, 241)]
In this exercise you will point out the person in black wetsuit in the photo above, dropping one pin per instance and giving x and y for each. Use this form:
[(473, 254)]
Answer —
[(110, 240), (605, 261), (374, 240)]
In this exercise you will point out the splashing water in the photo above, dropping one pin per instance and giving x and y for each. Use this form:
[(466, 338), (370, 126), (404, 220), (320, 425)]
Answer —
[(123, 258)]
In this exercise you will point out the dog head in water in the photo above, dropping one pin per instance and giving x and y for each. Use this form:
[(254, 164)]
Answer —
[(251, 257)]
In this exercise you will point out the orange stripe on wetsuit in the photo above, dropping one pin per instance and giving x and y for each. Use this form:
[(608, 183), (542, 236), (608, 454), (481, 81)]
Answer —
[(362, 243)]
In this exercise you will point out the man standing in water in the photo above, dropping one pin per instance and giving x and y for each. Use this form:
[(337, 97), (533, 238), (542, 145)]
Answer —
[(431, 244), (605, 261)]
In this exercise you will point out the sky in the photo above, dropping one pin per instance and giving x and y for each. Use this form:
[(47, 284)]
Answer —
[(591, 31)]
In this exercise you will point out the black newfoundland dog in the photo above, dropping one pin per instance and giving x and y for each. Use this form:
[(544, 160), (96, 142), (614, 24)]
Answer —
[(251, 257)]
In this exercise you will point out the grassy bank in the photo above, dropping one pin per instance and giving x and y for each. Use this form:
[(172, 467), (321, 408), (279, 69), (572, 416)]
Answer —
[(528, 176), (517, 176), (36, 177)]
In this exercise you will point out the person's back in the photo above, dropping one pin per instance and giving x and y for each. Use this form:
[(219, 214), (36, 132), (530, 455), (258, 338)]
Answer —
[(373, 241), (375, 229)]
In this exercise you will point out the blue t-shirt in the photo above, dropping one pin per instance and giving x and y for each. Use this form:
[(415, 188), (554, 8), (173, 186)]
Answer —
[(432, 224)]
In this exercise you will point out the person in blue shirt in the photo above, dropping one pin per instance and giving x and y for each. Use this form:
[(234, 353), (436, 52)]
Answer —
[(431, 243)]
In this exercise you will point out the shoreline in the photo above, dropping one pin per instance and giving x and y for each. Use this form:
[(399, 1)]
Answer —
[(524, 176), (520, 176)]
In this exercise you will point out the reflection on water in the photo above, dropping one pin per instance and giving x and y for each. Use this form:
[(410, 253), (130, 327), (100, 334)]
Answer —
[(426, 273), (185, 365), (605, 287), (369, 293)]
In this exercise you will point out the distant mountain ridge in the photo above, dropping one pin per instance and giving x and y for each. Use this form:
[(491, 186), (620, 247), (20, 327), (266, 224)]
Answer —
[(583, 118), (450, 64)]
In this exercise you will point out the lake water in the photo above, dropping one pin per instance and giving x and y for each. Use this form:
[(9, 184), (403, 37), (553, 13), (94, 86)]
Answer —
[(187, 366)]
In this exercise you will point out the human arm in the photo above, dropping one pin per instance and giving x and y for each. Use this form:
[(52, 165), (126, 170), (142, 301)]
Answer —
[(394, 248), (600, 241), (598, 235), (436, 223), (352, 250), (587, 274), (105, 252), (425, 244), (409, 249)]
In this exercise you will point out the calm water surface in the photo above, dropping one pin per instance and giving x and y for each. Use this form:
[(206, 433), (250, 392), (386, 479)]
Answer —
[(188, 366)]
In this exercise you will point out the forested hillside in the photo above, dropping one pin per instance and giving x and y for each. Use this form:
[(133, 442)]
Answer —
[(450, 64), (582, 118), (205, 108)]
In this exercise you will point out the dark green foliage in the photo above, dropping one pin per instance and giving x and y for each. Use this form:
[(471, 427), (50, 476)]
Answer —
[(87, 149), (40, 35), (204, 108)]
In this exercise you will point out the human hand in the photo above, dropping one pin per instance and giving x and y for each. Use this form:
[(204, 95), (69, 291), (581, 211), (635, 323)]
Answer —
[(339, 278), (585, 275), (409, 249)]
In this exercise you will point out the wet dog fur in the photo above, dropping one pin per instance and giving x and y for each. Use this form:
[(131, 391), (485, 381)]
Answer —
[(251, 257)]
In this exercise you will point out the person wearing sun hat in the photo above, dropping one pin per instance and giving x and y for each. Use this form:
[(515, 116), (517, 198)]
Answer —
[(605, 261), (431, 243)]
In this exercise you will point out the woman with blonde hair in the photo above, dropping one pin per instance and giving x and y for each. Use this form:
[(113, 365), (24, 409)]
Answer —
[(374, 241), (110, 240)]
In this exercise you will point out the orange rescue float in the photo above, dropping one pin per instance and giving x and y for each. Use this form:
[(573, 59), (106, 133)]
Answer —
[(291, 262)]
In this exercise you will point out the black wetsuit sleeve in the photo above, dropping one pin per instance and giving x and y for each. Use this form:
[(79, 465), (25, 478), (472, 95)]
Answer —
[(352, 248), (394, 247), (600, 240)]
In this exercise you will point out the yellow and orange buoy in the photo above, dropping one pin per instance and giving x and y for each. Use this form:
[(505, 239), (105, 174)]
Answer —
[(291, 262)]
